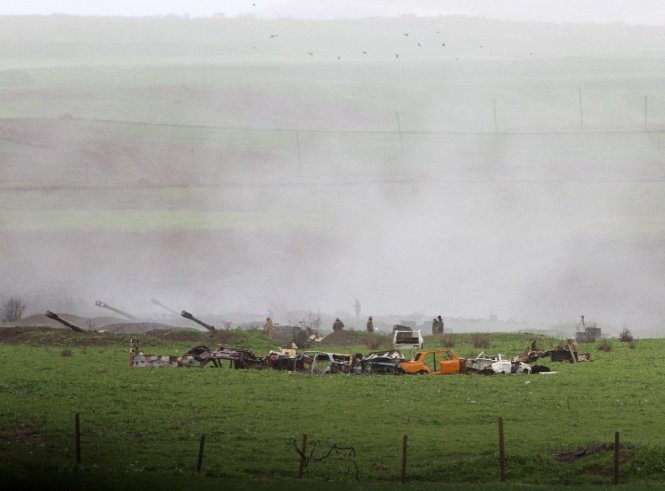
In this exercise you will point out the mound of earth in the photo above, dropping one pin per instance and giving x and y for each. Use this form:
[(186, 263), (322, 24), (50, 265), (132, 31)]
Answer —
[(47, 336), (172, 334), (91, 323), (343, 338), (138, 328)]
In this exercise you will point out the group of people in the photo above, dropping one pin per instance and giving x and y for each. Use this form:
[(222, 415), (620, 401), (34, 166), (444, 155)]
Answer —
[(338, 325)]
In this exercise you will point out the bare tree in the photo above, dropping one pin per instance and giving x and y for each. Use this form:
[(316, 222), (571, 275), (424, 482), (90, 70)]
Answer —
[(12, 309)]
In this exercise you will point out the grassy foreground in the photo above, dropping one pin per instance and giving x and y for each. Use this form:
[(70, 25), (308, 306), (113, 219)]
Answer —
[(143, 426)]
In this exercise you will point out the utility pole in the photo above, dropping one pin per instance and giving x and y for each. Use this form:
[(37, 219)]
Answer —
[(579, 93), (399, 131), (298, 147), (496, 124)]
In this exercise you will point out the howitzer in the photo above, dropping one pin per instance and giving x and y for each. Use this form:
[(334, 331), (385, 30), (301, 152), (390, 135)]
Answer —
[(56, 317), (99, 303), (157, 302), (189, 316)]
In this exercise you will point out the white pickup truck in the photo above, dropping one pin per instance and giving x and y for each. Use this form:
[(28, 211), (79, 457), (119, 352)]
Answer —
[(405, 339)]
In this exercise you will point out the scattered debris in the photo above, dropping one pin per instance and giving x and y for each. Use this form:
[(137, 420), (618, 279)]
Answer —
[(578, 453)]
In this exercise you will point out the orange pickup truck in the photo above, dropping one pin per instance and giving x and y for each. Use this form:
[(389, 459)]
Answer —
[(436, 361)]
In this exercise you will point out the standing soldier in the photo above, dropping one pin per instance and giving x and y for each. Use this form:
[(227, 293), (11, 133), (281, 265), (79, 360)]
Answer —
[(338, 325), (370, 324), (267, 329), (440, 325), (435, 326)]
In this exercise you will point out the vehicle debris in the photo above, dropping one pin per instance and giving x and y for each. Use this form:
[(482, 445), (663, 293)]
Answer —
[(323, 363), (380, 363), (198, 356), (438, 362), (491, 364)]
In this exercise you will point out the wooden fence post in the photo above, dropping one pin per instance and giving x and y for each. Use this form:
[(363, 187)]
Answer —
[(405, 441), (200, 461), (303, 453), (502, 451), (616, 457), (77, 432)]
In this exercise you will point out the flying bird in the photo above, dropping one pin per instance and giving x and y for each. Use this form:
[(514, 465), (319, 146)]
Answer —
[(419, 45)]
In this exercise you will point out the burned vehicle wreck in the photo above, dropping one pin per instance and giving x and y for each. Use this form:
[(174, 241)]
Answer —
[(196, 357), (323, 363), (491, 364), (379, 363)]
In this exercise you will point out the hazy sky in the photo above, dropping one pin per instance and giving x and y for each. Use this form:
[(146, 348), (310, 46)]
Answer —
[(630, 11)]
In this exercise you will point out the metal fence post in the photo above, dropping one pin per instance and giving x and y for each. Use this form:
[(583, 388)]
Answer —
[(502, 451)]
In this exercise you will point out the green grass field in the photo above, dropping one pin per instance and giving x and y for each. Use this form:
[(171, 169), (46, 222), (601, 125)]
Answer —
[(148, 422)]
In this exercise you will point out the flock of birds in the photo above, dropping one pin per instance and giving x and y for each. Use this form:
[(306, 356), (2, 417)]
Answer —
[(406, 34)]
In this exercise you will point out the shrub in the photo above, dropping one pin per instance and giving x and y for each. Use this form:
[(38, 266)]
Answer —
[(12, 310), (632, 344), (605, 345), (374, 341), (448, 340), (625, 335), (481, 341), (66, 353)]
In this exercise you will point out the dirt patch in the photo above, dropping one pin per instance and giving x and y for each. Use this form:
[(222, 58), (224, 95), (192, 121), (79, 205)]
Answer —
[(22, 432), (573, 455)]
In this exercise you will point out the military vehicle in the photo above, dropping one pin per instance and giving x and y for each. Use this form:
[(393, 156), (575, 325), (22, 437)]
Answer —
[(189, 316), (103, 305), (71, 325)]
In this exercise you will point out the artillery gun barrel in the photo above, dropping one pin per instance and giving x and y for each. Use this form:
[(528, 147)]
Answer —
[(189, 316), (157, 302), (99, 303), (56, 317)]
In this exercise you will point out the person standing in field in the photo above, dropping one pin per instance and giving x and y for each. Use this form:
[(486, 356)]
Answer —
[(440, 322), (267, 329), (338, 325), (370, 324), (435, 326)]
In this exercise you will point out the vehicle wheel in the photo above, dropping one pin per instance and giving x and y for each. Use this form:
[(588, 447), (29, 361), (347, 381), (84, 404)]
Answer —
[(488, 371), (421, 372)]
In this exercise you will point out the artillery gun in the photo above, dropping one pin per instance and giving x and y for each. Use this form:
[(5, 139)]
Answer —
[(154, 301), (71, 325), (189, 316), (99, 303)]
